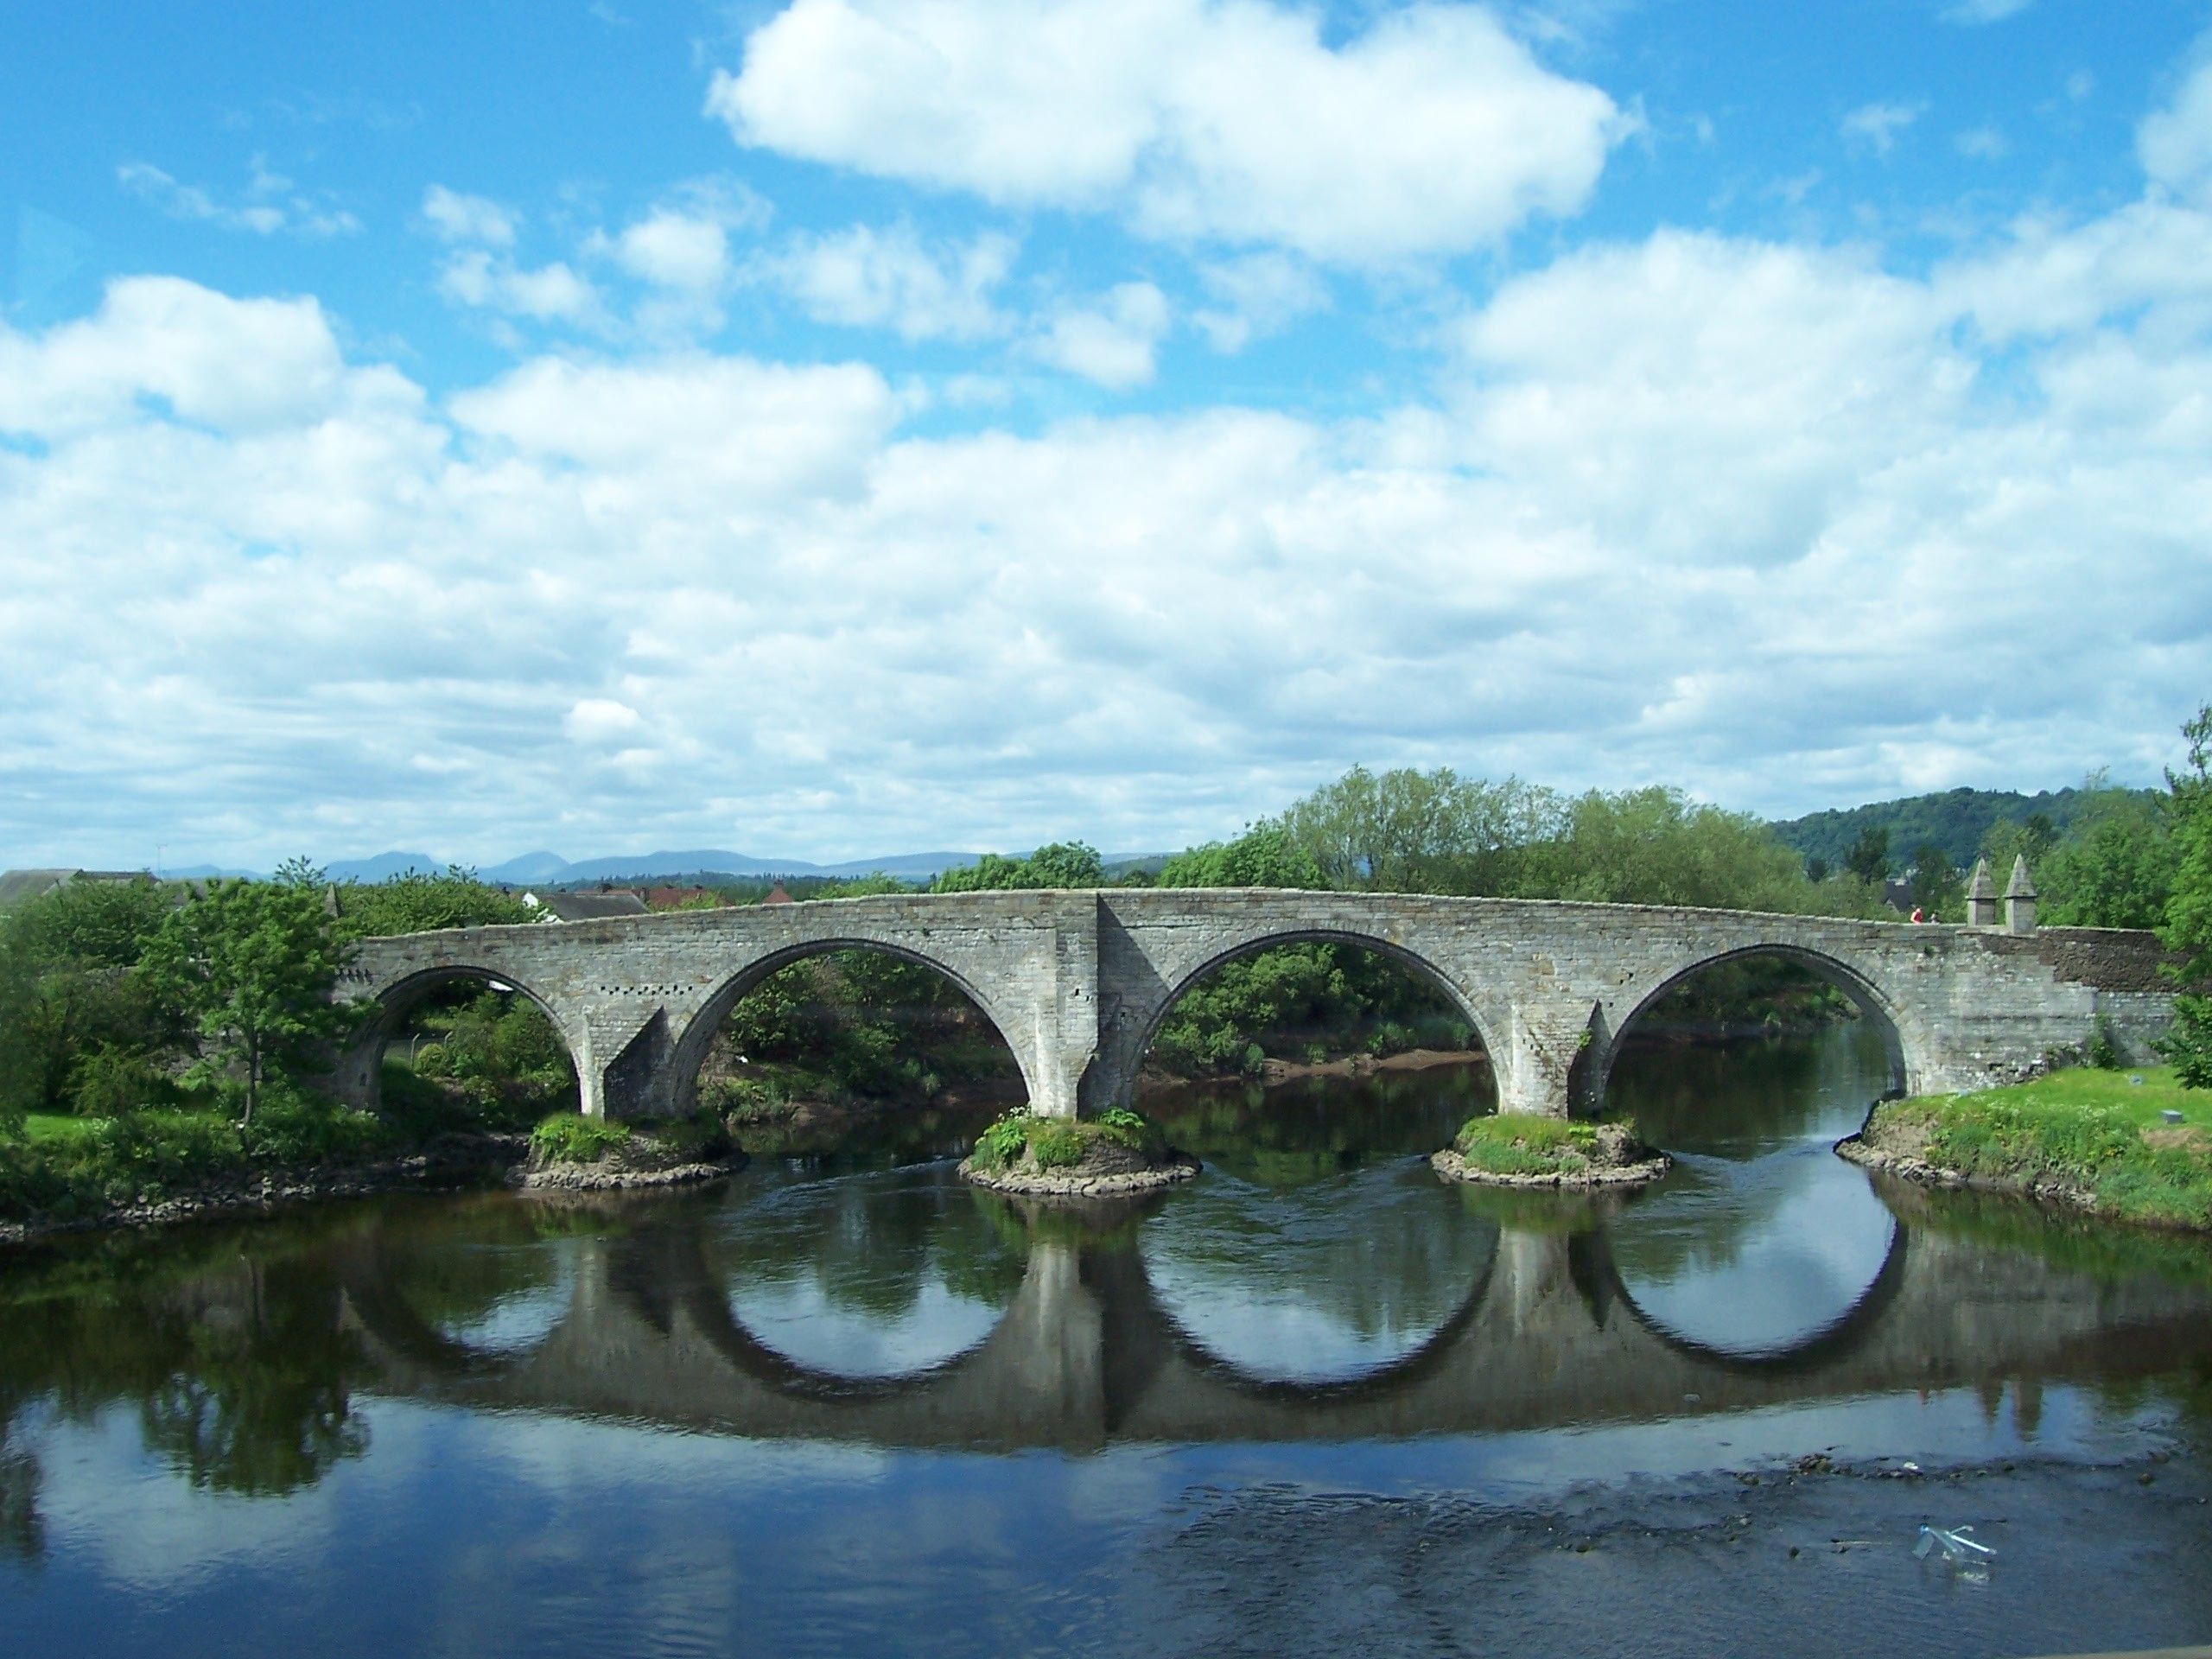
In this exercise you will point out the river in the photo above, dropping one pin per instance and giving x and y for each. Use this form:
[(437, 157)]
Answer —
[(1315, 1402)]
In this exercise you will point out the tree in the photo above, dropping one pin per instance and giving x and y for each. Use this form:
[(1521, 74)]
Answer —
[(1265, 855), (79, 1026), (1409, 831), (254, 963), (418, 903), (2188, 929), (1869, 857), (1934, 883), (1061, 864)]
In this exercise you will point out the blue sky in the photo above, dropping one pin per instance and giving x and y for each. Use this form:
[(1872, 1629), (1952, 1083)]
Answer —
[(842, 427)]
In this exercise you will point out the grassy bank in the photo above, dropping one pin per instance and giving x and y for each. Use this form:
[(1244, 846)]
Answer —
[(1531, 1148), (2099, 1138)]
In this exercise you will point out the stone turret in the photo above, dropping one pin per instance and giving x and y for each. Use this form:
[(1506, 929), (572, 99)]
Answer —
[(1981, 896), (2020, 899)]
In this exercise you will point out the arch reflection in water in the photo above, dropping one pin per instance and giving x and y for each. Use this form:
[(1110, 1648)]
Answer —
[(1327, 1282), (1762, 1240), (869, 1277)]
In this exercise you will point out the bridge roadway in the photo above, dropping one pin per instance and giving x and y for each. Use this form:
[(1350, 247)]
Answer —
[(1077, 981), (1085, 1356)]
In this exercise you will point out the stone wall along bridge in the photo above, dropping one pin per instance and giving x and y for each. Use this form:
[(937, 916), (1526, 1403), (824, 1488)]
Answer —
[(1077, 981)]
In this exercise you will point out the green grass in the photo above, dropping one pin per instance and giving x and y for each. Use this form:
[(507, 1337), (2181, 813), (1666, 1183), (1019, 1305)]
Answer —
[(1060, 1143), (57, 1126), (572, 1138), (2083, 1127), (1526, 1143)]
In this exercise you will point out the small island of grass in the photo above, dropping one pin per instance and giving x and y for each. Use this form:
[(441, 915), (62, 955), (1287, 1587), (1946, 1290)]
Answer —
[(2100, 1139), (1531, 1149), (1113, 1154)]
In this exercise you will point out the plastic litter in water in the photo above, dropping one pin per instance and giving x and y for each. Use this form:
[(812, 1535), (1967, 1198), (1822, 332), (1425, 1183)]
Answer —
[(1957, 1543)]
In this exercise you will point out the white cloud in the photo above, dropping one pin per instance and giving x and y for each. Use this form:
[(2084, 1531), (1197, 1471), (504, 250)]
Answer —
[(271, 203), (1983, 143), (1771, 521), (1260, 294), (491, 282), (475, 220), (1984, 11), (2176, 142), (1876, 125), (600, 721), (1431, 132), (1111, 343), (674, 249), (865, 278)]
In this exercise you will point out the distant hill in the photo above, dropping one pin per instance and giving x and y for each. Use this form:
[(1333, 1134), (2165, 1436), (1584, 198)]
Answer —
[(382, 867), (550, 869), (1954, 820)]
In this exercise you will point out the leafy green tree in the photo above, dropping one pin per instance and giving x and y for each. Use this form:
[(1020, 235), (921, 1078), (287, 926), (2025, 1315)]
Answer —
[(1657, 847), (1062, 864), (80, 1028), (1869, 857), (1265, 855), (420, 903), (2114, 866), (1408, 831), (254, 964), (2188, 929), (1934, 883)]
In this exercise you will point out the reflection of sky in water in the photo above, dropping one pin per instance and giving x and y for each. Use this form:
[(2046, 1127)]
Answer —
[(1324, 1282), (799, 1320), (1756, 1257), (860, 1275), (519, 1321)]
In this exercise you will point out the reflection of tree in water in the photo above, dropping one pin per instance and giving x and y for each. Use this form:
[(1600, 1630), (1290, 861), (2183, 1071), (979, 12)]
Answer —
[(22, 1534), (1310, 1129), (1748, 1096), (232, 1354), (873, 1246), (457, 1266)]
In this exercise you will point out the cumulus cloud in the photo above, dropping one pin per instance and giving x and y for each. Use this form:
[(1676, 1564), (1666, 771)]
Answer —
[(1260, 294), (866, 277), (270, 204), (1769, 520), (476, 219), (493, 282), (1112, 342), (1432, 131)]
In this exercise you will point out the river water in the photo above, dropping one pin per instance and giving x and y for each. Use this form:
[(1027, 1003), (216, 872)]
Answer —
[(1316, 1402)]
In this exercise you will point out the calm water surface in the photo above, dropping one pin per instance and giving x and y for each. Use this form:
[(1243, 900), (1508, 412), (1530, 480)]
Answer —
[(1315, 1402)]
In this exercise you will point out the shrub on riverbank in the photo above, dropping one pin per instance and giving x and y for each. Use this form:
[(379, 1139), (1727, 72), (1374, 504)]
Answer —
[(1062, 1143), (1526, 1143), (572, 1138), (2096, 1136), (141, 1157)]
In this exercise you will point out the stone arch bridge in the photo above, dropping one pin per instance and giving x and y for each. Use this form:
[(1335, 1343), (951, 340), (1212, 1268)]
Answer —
[(1077, 981)]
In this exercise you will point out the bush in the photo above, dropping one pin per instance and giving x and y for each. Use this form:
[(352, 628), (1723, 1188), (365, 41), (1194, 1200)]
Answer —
[(1057, 1145), (1002, 1143), (292, 1127), (1525, 1143), (572, 1138)]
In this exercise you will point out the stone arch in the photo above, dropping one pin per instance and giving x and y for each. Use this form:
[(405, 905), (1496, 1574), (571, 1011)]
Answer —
[(1899, 1030), (1129, 1046), (689, 1052), (359, 1077)]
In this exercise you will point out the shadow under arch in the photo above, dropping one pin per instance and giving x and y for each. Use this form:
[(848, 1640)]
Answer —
[(1596, 1276), (1869, 998), (691, 1051), (1146, 1333), (1417, 965), (400, 999)]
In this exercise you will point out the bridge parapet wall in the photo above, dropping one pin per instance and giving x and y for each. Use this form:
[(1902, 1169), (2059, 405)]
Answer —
[(1077, 983)]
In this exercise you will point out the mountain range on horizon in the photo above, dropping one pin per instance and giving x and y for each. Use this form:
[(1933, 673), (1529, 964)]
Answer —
[(550, 869)]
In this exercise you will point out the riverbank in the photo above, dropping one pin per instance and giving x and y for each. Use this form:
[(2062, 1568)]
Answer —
[(1527, 1149), (166, 1179), (2124, 1146)]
